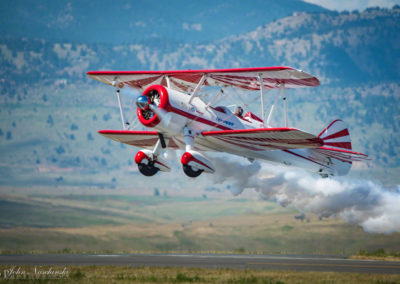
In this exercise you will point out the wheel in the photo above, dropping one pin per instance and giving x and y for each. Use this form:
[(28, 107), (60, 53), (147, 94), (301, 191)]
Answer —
[(147, 170), (190, 172)]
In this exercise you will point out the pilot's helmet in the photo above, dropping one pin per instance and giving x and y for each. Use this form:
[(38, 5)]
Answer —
[(239, 111)]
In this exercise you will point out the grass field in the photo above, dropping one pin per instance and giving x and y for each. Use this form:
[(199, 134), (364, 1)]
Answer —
[(65, 220), (124, 274)]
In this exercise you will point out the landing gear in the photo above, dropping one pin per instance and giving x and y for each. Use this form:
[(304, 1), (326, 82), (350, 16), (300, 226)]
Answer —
[(191, 172), (194, 163), (148, 170), (150, 162)]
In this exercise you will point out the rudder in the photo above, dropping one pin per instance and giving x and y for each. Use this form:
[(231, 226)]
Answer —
[(336, 151), (336, 136)]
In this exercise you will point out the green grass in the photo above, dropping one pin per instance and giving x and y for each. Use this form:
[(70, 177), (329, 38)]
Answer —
[(46, 220), (125, 274), (377, 254), (18, 214)]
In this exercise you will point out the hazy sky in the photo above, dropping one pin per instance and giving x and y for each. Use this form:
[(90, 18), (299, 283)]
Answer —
[(360, 5)]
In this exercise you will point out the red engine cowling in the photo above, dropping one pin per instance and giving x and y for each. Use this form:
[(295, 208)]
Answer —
[(157, 96)]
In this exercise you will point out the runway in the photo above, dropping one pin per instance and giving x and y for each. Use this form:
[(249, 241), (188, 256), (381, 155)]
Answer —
[(270, 262)]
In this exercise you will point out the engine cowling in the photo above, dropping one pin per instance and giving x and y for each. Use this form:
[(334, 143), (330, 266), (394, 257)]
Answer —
[(157, 97), (163, 108), (149, 165), (194, 163)]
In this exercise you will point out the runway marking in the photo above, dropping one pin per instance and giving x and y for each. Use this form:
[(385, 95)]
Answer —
[(321, 264)]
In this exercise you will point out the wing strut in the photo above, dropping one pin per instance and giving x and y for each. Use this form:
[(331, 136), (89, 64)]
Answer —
[(124, 124), (168, 82), (215, 98), (273, 107), (285, 105), (197, 87), (262, 97)]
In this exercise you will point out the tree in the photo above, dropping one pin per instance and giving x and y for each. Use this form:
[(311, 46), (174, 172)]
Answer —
[(50, 120), (60, 150), (107, 117)]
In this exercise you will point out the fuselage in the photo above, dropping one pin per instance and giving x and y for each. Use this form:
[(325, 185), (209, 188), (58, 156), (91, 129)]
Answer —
[(174, 110)]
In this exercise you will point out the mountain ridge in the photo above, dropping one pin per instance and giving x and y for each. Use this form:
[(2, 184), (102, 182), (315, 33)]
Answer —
[(348, 48), (124, 21)]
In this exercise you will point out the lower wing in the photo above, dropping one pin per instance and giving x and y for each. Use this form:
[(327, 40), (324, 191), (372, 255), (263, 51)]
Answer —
[(232, 141), (262, 139), (143, 139)]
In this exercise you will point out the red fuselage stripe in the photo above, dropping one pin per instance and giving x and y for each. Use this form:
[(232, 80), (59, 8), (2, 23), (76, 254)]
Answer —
[(197, 118)]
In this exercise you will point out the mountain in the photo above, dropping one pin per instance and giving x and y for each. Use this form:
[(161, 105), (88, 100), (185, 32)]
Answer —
[(124, 21), (340, 48)]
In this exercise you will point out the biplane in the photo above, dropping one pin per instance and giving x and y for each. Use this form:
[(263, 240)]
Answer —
[(179, 118)]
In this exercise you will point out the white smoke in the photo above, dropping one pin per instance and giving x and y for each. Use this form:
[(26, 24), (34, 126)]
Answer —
[(368, 204), (236, 173)]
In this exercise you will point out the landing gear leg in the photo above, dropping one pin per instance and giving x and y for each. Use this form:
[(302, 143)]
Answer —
[(189, 141)]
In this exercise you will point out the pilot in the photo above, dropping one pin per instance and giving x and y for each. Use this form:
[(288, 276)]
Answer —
[(239, 111)]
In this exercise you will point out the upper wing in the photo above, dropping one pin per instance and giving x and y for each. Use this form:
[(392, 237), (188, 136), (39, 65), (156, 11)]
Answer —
[(186, 80), (262, 139)]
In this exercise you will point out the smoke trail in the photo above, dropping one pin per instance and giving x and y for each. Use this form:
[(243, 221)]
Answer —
[(236, 173), (361, 202)]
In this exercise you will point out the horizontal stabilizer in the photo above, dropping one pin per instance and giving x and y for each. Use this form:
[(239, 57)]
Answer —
[(342, 155), (264, 139)]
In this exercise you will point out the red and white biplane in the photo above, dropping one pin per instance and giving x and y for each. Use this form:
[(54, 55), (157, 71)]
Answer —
[(170, 104)]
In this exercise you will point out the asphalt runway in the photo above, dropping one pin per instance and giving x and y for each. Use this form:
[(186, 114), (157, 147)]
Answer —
[(271, 262)]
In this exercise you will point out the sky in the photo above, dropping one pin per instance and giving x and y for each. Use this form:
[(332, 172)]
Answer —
[(350, 5)]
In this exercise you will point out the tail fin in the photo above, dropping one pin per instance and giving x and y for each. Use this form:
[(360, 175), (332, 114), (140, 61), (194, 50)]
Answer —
[(336, 136), (336, 151)]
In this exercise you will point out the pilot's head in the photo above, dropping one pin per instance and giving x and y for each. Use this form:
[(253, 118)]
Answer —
[(239, 111)]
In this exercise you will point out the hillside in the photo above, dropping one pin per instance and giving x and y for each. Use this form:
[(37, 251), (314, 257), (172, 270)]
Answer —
[(124, 21), (341, 48), (51, 111)]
